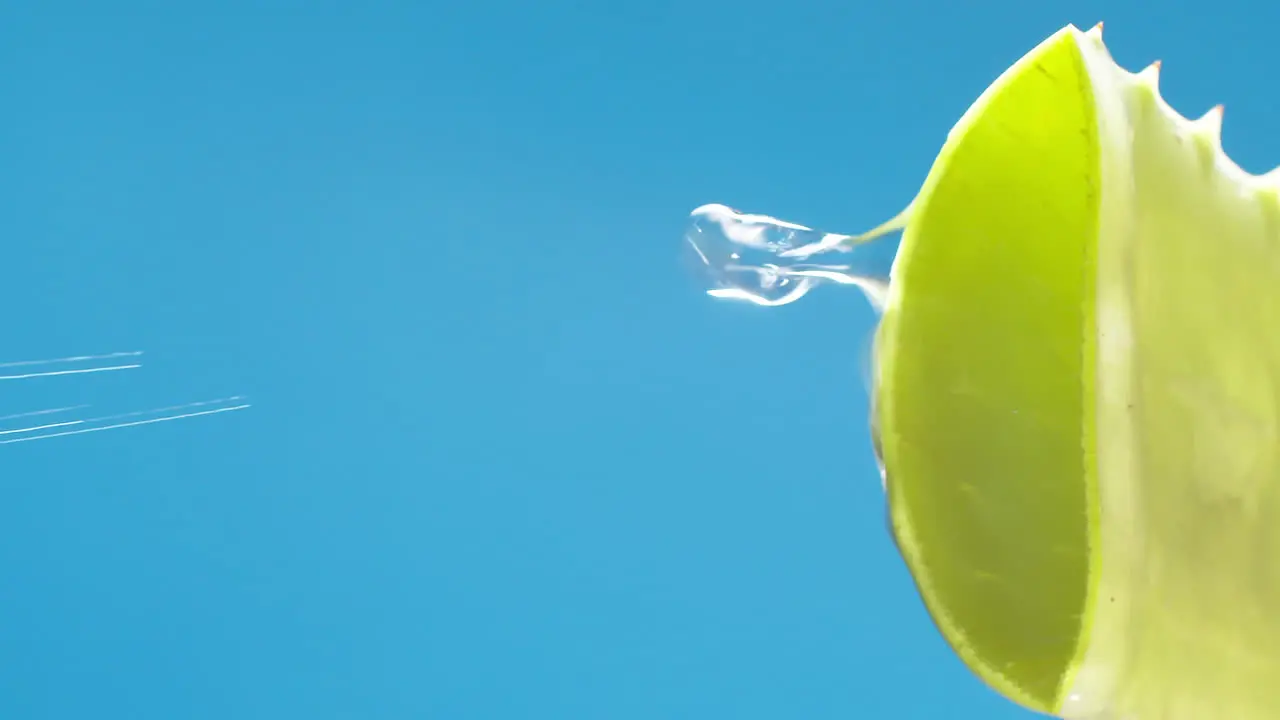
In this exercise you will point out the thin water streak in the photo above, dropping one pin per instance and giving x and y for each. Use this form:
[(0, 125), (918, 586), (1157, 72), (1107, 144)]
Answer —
[(49, 430)]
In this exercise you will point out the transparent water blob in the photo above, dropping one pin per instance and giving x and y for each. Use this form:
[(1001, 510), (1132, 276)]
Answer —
[(771, 262)]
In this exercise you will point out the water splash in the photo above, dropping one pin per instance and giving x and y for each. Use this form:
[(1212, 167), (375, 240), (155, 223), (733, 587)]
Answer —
[(771, 262)]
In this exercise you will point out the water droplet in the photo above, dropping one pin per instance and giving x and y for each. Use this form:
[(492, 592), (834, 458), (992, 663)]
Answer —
[(773, 262)]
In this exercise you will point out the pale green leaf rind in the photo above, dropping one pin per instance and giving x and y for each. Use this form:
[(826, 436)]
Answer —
[(1187, 623)]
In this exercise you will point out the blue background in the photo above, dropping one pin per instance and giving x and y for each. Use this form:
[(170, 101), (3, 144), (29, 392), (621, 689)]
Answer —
[(506, 460)]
